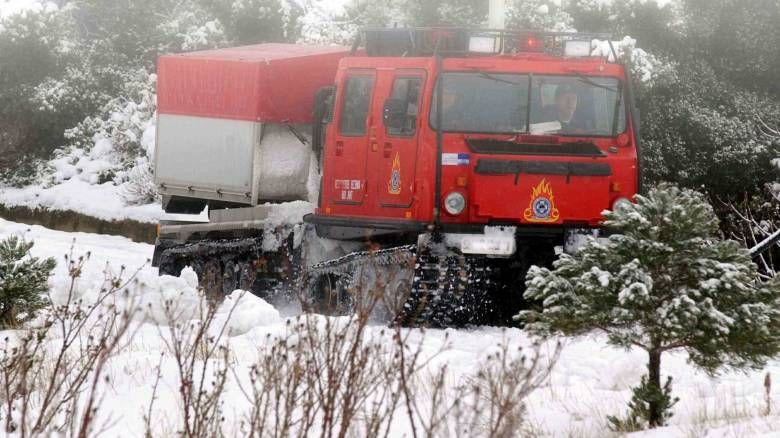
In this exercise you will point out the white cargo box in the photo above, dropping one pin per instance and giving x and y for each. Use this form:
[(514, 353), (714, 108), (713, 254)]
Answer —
[(232, 160)]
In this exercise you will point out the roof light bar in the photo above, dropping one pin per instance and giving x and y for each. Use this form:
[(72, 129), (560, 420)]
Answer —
[(484, 44), (575, 48), (531, 43)]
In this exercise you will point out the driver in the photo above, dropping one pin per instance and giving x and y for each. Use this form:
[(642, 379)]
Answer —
[(564, 110)]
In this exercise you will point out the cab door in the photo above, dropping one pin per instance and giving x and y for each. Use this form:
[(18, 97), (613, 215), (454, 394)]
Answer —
[(350, 148), (397, 142)]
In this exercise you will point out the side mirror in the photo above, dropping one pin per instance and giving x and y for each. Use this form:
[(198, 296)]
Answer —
[(323, 114), (394, 114), (323, 104)]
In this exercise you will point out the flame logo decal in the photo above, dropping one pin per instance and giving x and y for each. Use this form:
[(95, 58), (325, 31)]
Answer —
[(394, 185), (542, 205)]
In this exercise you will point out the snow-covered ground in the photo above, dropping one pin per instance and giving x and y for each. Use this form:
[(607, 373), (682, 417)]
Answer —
[(103, 201), (589, 381)]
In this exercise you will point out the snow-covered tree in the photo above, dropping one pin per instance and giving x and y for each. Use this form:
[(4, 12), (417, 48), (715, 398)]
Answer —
[(446, 12), (649, 22), (117, 144), (255, 21), (328, 22), (325, 22), (23, 281), (538, 15), (701, 131), (32, 44), (664, 281), (738, 38)]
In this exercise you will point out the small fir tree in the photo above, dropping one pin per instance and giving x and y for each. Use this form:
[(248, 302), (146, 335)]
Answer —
[(665, 282), (23, 281)]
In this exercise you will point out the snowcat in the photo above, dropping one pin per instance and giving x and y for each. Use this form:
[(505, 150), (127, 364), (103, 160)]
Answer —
[(440, 164)]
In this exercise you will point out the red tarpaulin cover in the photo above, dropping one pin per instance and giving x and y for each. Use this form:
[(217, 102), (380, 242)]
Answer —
[(273, 83)]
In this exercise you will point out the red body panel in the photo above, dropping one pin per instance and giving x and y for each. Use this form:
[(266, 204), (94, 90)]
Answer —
[(273, 83), (364, 161)]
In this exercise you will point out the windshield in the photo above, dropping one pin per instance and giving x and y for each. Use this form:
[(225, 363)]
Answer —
[(499, 103), (481, 102)]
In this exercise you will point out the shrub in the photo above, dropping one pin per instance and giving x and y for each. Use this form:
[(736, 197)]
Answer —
[(23, 281), (53, 375), (664, 281)]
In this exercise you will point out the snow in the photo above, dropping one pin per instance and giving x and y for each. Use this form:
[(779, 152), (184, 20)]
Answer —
[(322, 22), (646, 65), (283, 163), (103, 201), (12, 7), (249, 312), (589, 381)]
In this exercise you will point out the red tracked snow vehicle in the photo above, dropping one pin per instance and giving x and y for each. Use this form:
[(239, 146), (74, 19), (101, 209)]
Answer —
[(537, 138)]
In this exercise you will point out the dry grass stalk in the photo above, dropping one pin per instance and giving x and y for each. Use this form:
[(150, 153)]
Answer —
[(52, 379)]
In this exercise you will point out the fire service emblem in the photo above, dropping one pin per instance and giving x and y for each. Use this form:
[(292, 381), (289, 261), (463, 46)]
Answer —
[(542, 206), (394, 185)]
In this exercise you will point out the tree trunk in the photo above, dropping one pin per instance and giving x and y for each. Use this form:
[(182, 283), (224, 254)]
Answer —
[(654, 380)]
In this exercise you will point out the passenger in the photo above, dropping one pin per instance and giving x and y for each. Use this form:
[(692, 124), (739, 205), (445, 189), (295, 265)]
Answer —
[(454, 115)]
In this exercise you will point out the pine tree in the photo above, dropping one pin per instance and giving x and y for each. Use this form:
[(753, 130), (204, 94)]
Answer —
[(664, 281), (23, 281)]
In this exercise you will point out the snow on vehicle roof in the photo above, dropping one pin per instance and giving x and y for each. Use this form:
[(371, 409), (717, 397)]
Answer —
[(264, 52)]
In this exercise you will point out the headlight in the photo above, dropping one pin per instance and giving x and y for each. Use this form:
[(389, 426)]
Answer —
[(621, 203), (454, 203)]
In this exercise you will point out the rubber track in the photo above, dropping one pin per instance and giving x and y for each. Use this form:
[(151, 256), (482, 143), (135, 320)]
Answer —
[(345, 266), (234, 258), (447, 290)]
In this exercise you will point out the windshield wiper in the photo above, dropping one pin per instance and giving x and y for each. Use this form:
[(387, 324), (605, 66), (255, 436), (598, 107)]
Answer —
[(506, 81), (495, 78), (591, 82)]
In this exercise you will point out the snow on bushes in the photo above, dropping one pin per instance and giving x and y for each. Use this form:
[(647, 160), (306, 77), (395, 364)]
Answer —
[(31, 49), (707, 134), (117, 145), (326, 22), (191, 27), (538, 14), (663, 281), (23, 282)]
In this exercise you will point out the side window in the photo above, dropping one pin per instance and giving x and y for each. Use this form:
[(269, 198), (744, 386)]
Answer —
[(408, 91), (354, 110)]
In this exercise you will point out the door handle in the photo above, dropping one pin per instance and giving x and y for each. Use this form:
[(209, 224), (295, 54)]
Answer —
[(387, 150), (339, 148)]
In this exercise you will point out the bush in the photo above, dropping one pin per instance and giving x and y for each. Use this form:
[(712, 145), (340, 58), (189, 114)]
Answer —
[(32, 48), (23, 281), (108, 145), (53, 375), (701, 131), (644, 396), (663, 281)]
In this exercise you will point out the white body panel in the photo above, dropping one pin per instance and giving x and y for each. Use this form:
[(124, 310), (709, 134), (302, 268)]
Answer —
[(231, 160)]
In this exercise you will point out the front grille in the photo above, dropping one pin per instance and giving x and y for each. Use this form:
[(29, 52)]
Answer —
[(517, 167), (493, 146)]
